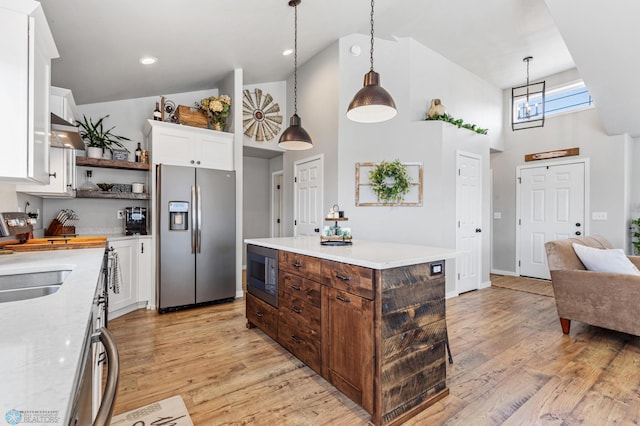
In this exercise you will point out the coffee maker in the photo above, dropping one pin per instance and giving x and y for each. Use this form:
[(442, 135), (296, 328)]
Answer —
[(135, 222)]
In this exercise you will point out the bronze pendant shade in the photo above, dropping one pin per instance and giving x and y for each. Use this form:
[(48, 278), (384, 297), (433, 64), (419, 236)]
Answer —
[(295, 137), (372, 104)]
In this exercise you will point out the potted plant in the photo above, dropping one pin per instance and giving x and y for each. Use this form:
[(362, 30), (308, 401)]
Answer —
[(98, 139)]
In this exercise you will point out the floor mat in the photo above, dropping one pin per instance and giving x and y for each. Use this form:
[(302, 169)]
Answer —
[(530, 285), (168, 411)]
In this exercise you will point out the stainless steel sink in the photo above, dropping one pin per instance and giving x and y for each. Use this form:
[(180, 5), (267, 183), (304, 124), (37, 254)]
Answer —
[(30, 285)]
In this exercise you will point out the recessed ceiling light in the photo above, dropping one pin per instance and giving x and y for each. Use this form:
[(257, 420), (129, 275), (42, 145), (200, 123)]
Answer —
[(287, 52), (148, 60)]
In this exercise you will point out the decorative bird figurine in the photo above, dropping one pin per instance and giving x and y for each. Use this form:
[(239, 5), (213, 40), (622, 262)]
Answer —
[(436, 109)]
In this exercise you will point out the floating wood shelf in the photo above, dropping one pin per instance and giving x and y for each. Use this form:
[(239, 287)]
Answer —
[(113, 195), (111, 164)]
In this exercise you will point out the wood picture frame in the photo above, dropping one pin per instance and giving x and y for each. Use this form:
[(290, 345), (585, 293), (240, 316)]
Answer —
[(366, 197), (547, 155)]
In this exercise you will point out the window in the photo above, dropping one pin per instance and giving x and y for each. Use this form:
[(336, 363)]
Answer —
[(570, 97)]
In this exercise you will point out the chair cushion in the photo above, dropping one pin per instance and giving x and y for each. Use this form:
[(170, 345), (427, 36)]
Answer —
[(605, 260)]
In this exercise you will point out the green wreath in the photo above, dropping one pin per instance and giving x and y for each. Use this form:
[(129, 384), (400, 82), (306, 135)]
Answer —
[(390, 181)]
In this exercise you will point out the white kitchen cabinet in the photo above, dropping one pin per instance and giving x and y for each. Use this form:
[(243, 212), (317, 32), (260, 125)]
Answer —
[(62, 176), (26, 48), (146, 281), (63, 104), (177, 145), (127, 298)]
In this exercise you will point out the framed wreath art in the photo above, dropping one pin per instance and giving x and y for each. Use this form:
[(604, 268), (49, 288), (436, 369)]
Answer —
[(389, 183)]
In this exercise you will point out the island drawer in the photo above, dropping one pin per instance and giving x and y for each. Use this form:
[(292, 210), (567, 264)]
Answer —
[(300, 288), (349, 278), (262, 315), (299, 264), (302, 342)]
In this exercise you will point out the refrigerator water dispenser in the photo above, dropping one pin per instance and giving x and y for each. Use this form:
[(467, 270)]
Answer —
[(178, 215)]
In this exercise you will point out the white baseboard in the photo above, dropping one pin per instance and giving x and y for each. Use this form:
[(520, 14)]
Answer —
[(485, 284), (239, 294), (451, 294), (501, 272)]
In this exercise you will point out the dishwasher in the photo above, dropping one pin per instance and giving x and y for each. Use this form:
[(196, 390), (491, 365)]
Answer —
[(90, 405)]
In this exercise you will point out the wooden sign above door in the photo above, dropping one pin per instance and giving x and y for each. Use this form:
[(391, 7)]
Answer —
[(567, 152)]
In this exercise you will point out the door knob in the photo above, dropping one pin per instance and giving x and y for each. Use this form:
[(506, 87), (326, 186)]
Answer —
[(577, 223), (478, 230), (578, 233), (316, 230)]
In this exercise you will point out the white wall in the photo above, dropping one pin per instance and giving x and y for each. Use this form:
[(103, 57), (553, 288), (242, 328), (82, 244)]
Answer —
[(277, 89), (256, 199), (318, 109), (610, 184)]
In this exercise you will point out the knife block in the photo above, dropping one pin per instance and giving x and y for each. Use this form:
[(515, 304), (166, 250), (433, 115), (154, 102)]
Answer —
[(56, 229)]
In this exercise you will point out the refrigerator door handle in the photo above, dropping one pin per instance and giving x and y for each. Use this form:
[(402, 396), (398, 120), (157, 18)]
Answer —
[(199, 220), (193, 219)]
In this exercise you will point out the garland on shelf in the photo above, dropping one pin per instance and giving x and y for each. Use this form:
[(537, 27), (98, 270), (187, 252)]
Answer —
[(390, 181), (460, 123)]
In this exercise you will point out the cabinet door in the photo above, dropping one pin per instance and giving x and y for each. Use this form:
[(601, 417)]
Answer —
[(62, 177), (14, 80), (347, 344), (128, 294), (175, 147), (215, 151), (146, 278)]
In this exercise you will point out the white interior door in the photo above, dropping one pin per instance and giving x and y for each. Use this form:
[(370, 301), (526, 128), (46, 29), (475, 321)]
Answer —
[(469, 221), (276, 204), (308, 183), (552, 207)]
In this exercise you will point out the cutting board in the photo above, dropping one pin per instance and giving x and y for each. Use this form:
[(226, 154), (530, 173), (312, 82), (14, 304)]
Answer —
[(56, 243)]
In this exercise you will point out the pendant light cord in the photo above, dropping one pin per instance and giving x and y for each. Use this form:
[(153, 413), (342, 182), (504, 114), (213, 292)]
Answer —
[(295, 60), (371, 50)]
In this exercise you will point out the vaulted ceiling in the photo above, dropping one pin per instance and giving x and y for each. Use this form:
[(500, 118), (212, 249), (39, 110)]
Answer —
[(197, 43)]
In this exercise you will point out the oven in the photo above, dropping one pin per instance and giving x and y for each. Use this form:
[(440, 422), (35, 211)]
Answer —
[(262, 273)]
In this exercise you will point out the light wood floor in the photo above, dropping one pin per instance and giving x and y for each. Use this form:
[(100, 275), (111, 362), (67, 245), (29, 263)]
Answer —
[(512, 365)]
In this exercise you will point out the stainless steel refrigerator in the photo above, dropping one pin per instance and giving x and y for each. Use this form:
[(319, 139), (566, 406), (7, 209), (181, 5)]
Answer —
[(196, 213)]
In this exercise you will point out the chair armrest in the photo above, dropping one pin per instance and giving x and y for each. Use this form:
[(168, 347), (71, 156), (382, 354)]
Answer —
[(635, 260), (604, 299)]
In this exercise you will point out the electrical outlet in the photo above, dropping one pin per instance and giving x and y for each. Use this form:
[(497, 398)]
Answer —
[(120, 214)]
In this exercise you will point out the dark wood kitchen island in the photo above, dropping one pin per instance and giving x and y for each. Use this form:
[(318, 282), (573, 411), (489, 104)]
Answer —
[(369, 318)]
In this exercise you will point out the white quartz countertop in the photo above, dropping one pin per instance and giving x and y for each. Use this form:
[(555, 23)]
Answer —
[(370, 254), (42, 339)]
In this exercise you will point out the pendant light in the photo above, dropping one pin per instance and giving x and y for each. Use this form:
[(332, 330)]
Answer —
[(527, 103), (372, 104), (295, 137)]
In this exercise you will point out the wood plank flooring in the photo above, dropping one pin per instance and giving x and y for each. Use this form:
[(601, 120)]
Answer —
[(512, 365)]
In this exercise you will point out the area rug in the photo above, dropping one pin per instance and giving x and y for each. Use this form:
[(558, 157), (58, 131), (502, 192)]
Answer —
[(170, 411), (529, 285)]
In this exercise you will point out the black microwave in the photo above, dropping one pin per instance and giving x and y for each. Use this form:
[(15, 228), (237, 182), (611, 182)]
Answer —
[(262, 273)]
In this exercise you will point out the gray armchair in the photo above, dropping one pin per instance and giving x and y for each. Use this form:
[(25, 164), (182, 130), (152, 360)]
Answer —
[(603, 299)]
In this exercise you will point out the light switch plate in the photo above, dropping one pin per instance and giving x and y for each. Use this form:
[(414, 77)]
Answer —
[(497, 215), (599, 215)]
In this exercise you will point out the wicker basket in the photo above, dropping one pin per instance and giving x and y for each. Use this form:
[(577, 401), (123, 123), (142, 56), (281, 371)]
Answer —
[(191, 116)]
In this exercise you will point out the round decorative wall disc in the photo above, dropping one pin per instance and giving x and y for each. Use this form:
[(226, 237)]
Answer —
[(261, 117)]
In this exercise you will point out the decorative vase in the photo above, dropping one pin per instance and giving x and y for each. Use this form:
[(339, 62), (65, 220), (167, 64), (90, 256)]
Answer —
[(94, 152)]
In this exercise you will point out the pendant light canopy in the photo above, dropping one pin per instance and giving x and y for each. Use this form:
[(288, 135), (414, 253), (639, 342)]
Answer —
[(372, 104), (527, 103), (295, 137)]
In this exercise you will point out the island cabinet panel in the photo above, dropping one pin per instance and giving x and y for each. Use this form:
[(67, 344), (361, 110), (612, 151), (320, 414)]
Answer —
[(348, 344), (299, 264), (377, 335), (350, 278), (262, 315), (299, 318), (411, 350)]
